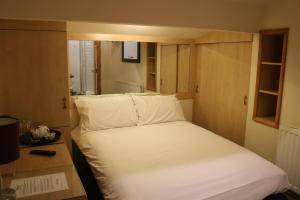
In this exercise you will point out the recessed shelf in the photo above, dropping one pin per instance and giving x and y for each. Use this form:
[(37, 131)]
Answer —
[(151, 89), (151, 66), (272, 92), (270, 73), (271, 63), (272, 47), (267, 120)]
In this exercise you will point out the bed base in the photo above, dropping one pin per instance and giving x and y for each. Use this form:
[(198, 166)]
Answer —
[(86, 175), (90, 184)]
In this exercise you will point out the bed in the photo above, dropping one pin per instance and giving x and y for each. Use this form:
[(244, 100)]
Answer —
[(173, 160)]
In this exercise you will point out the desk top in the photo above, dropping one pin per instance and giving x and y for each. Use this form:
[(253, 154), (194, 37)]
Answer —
[(36, 165)]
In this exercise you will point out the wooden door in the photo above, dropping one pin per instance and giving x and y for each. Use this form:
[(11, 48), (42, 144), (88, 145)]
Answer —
[(223, 72), (168, 69), (34, 76)]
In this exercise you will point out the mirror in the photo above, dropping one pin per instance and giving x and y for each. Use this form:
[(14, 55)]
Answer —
[(98, 67)]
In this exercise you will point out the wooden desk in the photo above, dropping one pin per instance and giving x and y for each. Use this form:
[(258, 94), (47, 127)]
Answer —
[(34, 165)]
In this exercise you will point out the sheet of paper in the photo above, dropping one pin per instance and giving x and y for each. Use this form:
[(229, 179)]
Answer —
[(39, 184)]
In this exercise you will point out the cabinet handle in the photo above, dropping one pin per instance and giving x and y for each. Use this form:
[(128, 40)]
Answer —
[(64, 100), (245, 100)]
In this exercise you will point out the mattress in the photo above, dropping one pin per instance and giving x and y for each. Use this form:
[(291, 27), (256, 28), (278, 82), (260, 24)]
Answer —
[(176, 161)]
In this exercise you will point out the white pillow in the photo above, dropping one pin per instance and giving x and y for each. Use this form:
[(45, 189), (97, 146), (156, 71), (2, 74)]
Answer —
[(158, 109), (106, 112)]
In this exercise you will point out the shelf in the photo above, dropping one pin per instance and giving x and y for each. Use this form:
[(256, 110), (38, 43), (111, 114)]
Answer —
[(152, 73), (151, 89), (271, 63), (151, 66), (272, 47), (267, 120), (270, 73), (272, 92)]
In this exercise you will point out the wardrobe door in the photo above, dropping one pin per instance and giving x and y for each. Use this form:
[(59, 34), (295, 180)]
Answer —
[(34, 75), (223, 72), (168, 69)]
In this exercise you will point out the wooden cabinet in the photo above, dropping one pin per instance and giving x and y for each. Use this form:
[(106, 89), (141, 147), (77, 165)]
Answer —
[(151, 67), (270, 76), (223, 72), (34, 72)]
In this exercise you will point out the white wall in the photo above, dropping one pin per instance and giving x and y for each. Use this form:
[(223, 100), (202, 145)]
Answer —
[(260, 138), (118, 76), (216, 14)]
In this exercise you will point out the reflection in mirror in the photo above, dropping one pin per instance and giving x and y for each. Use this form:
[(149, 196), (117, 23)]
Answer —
[(101, 70), (82, 67), (118, 76), (96, 67), (175, 68), (183, 74), (168, 69), (131, 52), (152, 67)]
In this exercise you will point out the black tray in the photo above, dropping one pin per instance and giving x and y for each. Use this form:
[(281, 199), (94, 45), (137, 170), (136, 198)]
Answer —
[(26, 139)]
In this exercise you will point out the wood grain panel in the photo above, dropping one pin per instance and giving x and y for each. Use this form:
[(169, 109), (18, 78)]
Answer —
[(223, 72), (118, 37), (222, 37), (168, 69), (184, 57), (34, 71), (11, 24)]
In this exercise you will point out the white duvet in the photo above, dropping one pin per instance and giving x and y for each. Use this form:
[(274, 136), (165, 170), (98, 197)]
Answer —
[(176, 161)]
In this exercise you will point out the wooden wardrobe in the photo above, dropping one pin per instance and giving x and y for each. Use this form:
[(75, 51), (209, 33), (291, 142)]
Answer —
[(34, 72), (223, 72)]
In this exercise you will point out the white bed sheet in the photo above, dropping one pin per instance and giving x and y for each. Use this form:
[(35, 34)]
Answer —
[(176, 161)]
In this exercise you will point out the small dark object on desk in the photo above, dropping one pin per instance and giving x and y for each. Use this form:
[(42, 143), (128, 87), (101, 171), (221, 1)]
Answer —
[(27, 139), (43, 152)]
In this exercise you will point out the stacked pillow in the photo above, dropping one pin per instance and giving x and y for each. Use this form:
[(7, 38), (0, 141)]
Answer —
[(115, 111)]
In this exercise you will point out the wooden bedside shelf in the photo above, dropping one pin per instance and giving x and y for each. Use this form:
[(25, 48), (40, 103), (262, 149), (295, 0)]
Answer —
[(29, 165)]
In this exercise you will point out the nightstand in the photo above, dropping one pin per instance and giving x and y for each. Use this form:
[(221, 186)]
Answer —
[(35, 165)]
